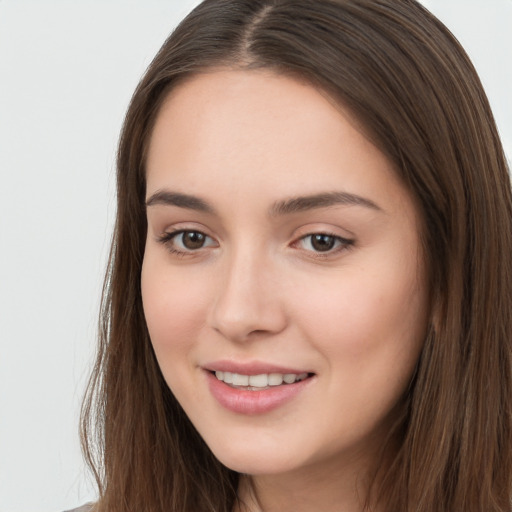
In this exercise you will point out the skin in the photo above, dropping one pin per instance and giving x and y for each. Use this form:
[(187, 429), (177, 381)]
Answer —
[(259, 290)]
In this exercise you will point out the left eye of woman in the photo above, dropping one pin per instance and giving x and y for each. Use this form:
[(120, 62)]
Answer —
[(186, 241), (324, 243)]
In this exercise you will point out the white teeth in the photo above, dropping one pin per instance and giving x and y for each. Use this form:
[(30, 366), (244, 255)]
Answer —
[(289, 378), (262, 380), (275, 379), (240, 380), (258, 381)]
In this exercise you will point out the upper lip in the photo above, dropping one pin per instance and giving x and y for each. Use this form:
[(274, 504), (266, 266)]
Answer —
[(250, 367)]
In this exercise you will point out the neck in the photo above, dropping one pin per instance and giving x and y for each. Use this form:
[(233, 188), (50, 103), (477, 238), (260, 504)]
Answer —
[(329, 488)]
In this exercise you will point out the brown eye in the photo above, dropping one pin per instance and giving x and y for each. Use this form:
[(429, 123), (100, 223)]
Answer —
[(192, 240), (186, 241), (322, 243)]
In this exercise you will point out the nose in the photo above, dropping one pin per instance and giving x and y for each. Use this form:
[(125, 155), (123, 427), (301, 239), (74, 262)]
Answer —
[(247, 302)]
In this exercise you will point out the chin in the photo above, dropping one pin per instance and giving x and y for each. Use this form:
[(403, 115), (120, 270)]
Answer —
[(255, 459), (256, 466)]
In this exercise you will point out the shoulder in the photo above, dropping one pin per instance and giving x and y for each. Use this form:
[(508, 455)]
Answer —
[(84, 508)]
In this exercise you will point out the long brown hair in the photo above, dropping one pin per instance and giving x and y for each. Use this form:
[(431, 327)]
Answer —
[(418, 98)]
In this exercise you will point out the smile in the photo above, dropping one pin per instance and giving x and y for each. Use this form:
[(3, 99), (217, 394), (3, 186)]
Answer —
[(258, 382), (258, 393)]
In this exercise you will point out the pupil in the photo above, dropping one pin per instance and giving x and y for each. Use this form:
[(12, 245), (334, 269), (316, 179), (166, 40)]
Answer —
[(193, 240), (322, 243)]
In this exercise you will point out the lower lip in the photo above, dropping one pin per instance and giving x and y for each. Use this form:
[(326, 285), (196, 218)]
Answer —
[(242, 401)]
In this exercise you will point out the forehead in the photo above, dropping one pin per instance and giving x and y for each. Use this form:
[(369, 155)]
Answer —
[(245, 105), (240, 133)]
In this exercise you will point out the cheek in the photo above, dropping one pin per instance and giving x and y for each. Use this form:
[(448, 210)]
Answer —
[(369, 328), (366, 316), (173, 306)]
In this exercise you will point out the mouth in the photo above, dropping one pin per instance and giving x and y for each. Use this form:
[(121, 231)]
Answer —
[(256, 388), (259, 382)]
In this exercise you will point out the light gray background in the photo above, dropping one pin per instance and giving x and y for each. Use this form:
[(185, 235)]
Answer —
[(67, 70)]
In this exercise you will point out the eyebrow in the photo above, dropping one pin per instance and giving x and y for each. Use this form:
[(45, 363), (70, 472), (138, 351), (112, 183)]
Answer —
[(165, 197), (285, 207), (323, 200)]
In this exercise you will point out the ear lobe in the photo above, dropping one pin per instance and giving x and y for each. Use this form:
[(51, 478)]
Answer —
[(434, 324), (439, 314)]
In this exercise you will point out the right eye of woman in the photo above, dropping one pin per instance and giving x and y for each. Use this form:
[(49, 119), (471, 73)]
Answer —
[(185, 241), (323, 245)]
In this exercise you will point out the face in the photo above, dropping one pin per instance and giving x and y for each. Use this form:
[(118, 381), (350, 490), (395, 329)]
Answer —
[(282, 282)]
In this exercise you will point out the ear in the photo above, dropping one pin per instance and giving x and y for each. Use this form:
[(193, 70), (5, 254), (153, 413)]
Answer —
[(435, 320)]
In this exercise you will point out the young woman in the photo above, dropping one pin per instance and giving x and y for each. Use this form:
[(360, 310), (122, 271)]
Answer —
[(308, 302)]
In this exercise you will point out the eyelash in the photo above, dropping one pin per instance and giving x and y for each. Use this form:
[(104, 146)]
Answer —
[(168, 238), (343, 243)]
